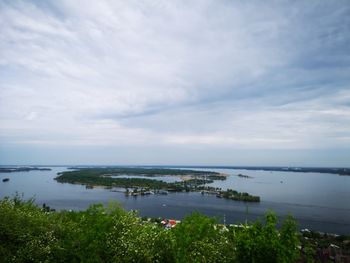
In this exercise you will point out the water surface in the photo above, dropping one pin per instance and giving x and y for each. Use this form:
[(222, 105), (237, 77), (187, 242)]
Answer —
[(318, 201)]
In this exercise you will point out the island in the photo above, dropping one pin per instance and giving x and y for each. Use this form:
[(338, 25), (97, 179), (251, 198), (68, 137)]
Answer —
[(144, 171), (22, 169), (108, 177), (191, 181), (229, 194), (238, 196), (245, 176)]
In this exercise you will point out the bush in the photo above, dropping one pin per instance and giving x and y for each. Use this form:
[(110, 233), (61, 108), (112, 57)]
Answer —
[(111, 234), (262, 242)]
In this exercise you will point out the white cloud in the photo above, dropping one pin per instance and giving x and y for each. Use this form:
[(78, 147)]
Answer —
[(157, 72)]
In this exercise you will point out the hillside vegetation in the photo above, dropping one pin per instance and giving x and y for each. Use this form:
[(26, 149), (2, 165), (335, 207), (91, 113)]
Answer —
[(111, 234)]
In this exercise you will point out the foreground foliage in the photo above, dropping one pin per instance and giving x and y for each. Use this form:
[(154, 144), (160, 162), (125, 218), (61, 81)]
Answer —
[(111, 234)]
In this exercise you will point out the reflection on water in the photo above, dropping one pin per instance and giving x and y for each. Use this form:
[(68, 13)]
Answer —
[(318, 201)]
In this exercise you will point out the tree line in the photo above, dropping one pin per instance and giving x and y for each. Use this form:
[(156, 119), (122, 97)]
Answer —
[(111, 234)]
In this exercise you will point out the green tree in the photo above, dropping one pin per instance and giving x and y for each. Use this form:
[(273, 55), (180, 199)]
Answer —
[(262, 242), (111, 234), (27, 234), (199, 239)]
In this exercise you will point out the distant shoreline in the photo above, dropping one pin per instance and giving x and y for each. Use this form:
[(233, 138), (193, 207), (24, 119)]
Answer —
[(22, 169), (330, 170)]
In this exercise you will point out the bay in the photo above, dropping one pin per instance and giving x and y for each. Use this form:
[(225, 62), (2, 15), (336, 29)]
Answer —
[(318, 201)]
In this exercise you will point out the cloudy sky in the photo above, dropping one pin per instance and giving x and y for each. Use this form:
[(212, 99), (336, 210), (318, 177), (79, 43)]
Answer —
[(210, 82)]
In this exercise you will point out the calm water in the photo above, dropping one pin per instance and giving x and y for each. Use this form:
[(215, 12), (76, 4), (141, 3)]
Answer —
[(318, 201)]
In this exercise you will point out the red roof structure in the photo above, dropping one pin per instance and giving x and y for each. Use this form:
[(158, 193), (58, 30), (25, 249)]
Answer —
[(172, 222)]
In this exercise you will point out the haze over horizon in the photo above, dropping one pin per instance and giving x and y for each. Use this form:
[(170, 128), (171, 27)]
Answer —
[(175, 83)]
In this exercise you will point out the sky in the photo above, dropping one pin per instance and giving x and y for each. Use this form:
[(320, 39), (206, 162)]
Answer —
[(202, 82)]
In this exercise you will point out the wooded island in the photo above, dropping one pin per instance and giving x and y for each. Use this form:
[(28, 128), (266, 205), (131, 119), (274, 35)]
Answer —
[(192, 180)]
